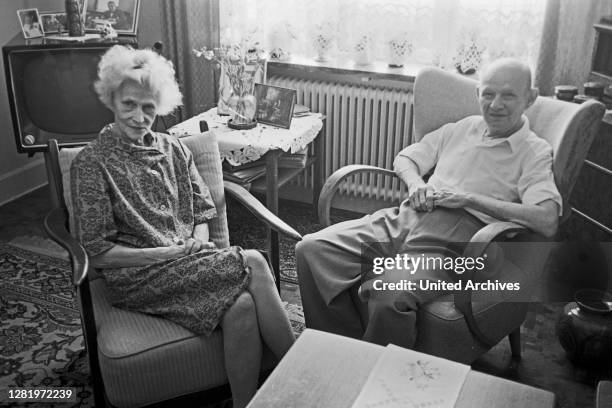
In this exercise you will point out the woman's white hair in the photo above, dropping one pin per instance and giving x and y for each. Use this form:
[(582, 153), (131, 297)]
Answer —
[(145, 67)]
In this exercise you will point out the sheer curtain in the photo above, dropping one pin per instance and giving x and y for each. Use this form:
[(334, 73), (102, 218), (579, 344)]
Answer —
[(441, 32)]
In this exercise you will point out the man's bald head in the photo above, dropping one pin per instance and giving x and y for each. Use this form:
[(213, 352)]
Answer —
[(504, 93), (512, 67)]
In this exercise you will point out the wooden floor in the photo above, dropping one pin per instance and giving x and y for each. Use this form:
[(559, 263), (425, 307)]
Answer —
[(544, 364), (25, 216)]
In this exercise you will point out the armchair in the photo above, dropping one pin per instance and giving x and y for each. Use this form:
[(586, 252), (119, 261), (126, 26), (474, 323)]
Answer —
[(137, 359), (463, 326)]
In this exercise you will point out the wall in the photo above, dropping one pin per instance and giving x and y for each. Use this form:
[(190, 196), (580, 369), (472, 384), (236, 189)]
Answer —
[(18, 173)]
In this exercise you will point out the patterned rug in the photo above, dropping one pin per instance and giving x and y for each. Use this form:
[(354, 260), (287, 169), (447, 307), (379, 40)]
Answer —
[(41, 342), (248, 232)]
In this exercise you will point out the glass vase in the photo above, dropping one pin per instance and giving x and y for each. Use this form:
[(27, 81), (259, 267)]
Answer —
[(242, 109), (242, 103)]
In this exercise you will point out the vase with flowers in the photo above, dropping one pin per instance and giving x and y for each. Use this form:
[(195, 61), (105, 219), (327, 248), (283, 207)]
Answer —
[(241, 67), (469, 56), (323, 36), (399, 48), (322, 45), (362, 50)]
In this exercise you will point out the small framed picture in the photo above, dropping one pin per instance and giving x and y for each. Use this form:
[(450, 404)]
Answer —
[(54, 23), (30, 23), (122, 15), (274, 105)]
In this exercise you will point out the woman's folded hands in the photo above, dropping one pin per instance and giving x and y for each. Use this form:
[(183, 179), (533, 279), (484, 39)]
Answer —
[(190, 246)]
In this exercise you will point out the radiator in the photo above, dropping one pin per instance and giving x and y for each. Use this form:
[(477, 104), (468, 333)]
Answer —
[(364, 125)]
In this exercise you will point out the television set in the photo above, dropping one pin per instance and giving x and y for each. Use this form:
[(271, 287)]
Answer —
[(51, 93)]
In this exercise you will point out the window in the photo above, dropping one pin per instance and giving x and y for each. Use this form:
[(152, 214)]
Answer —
[(440, 32)]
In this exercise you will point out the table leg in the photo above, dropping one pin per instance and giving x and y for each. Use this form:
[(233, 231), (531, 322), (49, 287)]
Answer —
[(319, 167), (272, 204)]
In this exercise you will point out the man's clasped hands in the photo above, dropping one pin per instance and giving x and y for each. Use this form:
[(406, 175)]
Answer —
[(425, 198)]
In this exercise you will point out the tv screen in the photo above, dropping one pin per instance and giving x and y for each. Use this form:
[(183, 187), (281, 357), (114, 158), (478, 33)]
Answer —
[(51, 95)]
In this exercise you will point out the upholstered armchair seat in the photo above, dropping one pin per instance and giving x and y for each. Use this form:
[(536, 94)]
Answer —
[(442, 319), (148, 359), (442, 329)]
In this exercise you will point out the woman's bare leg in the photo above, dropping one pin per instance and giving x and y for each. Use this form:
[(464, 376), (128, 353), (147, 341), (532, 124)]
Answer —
[(242, 349), (274, 324)]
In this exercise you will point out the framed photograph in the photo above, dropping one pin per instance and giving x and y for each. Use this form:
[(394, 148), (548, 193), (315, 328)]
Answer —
[(274, 105), (54, 23), (122, 15), (30, 23)]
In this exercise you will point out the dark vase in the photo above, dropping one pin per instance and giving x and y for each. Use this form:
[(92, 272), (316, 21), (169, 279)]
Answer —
[(74, 18), (585, 328)]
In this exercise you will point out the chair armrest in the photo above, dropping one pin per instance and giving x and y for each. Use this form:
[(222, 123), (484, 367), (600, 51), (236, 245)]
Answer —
[(55, 225), (245, 198), (604, 394), (333, 182), (474, 249), (489, 233)]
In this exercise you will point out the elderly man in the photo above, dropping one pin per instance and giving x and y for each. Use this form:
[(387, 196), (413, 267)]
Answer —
[(119, 18), (487, 167)]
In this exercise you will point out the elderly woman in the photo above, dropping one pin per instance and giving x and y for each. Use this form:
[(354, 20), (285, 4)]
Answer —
[(142, 211)]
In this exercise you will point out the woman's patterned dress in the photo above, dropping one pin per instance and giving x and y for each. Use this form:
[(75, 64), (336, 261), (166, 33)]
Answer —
[(150, 196)]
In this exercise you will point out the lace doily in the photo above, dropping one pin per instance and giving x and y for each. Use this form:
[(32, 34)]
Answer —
[(243, 146)]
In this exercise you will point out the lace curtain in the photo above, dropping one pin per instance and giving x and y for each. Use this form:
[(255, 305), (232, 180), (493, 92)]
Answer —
[(439, 32)]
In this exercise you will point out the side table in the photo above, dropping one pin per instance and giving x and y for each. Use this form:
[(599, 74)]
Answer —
[(274, 180), (243, 146)]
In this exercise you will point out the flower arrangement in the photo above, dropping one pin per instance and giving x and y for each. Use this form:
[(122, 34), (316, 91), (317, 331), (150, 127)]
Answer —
[(322, 44), (362, 50), (241, 66), (469, 57), (398, 49)]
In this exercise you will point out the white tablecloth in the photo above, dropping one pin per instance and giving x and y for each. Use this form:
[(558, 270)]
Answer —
[(243, 146)]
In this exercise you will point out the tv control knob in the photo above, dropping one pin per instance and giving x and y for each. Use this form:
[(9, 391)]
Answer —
[(29, 140)]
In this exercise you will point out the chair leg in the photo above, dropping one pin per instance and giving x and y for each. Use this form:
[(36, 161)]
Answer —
[(515, 343), (91, 346)]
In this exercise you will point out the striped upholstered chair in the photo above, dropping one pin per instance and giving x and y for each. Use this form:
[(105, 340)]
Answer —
[(138, 359)]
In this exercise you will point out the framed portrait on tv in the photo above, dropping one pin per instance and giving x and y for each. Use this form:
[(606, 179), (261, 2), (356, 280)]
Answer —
[(122, 15), (30, 23), (53, 22), (274, 105)]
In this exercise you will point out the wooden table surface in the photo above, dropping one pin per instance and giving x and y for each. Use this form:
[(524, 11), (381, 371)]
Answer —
[(326, 370)]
